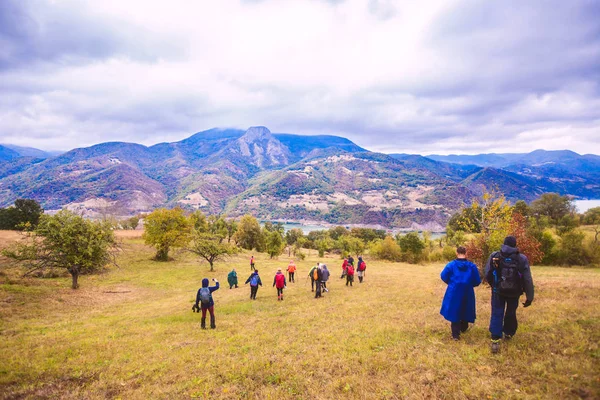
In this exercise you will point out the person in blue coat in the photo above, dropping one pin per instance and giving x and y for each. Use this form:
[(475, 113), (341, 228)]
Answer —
[(205, 300), (458, 306)]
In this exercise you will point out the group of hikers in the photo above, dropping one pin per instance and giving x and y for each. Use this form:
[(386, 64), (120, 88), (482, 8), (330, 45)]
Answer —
[(508, 274), (507, 271)]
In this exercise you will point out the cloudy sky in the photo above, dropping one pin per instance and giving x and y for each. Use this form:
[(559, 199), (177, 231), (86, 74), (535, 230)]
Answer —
[(417, 76)]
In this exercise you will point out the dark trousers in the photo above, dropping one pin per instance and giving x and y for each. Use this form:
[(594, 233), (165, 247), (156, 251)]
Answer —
[(318, 292), (458, 327), (349, 279), (312, 284), (253, 290), (291, 276), (252, 267), (504, 316), (279, 292)]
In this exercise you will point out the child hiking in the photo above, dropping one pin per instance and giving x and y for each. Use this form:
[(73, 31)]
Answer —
[(458, 305), (255, 282), (291, 269), (360, 269), (232, 279), (205, 299), (349, 274), (279, 283), (344, 267)]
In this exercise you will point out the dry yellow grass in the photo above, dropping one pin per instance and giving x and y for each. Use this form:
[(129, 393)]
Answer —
[(130, 333)]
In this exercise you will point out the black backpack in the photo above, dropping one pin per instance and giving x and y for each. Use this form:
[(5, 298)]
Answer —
[(510, 282)]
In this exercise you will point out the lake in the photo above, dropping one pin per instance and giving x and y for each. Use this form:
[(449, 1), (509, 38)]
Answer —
[(584, 205)]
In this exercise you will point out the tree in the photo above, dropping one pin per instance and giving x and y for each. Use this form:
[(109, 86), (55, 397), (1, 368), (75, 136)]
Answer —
[(292, 236), (338, 231), (248, 235), (68, 241), (274, 243), (164, 229), (553, 206), (522, 208), (350, 245), (412, 246), (24, 215), (386, 249), (232, 226), (210, 247)]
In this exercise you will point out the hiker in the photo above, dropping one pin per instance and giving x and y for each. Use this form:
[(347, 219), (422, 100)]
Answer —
[(458, 307), (312, 275), (349, 274), (279, 283), (324, 277), (351, 260), (344, 266), (508, 273), (255, 282), (252, 264), (204, 297), (318, 276), (360, 269), (232, 279), (291, 269)]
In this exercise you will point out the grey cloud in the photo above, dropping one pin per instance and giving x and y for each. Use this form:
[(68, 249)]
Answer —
[(35, 31)]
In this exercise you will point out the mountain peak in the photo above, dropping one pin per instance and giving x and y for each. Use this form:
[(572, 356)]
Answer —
[(256, 133)]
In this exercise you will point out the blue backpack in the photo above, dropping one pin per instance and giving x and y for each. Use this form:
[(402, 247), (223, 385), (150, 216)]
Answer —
[(254, 280)]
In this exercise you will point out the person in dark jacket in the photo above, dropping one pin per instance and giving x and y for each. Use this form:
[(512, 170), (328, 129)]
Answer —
[(232, 279), (255, 282), (351, 260), (324, 277), (360, 269), (504, 306), (206, 305), (458, 307), (280, 283), (311, 275), (318, 281)]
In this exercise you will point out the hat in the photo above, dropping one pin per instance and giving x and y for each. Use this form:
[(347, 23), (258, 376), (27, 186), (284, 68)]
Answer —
[(205, 282), (279, 269), (510, 241)]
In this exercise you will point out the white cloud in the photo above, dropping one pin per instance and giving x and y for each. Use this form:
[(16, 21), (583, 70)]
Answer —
[(426, 77)]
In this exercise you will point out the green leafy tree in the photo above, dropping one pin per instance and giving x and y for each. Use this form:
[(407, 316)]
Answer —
[(24, 215), (323, 244), (412, 246), (249, 234), (67, 241), (337, 232), (572, 250), (522, 208), (291, 238), (386, 249), (164, 229), (274, 243), (210, 247), (553, 206), (350, 245), (232, 227)]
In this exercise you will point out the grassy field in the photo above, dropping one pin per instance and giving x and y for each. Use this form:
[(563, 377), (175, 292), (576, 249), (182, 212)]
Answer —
[(130, 333)]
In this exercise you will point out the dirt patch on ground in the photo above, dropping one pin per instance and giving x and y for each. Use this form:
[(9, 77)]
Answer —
[(130, 234)]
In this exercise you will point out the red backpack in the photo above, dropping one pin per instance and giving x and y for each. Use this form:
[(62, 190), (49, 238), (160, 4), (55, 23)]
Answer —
[(362, 266), (279, 281), (350, 269)]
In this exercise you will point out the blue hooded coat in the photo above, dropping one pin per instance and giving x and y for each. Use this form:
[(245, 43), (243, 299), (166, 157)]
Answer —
[(211, 288), (462, 276)]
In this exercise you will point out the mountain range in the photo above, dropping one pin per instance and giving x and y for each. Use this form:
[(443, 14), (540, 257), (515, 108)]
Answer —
[(284, 177)]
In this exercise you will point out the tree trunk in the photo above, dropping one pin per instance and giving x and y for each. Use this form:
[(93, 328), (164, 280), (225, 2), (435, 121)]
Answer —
[(75, 276), (162, 254), (211, 265)]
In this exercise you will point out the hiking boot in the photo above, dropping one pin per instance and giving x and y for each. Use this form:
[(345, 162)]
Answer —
[(456, 338), (203, 323), (212, 323), (508, 337), (495, 347)]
